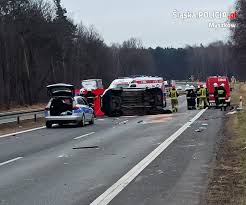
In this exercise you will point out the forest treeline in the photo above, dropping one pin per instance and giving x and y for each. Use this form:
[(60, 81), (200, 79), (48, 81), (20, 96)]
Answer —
[(40, 45)]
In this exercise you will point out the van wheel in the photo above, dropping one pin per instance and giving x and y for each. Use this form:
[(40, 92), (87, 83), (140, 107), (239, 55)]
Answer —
[(92, 120), (82, 122), (48, 124)]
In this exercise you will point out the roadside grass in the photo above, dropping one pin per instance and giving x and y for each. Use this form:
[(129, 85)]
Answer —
[(17, 108), (227, 184), (240, 131)]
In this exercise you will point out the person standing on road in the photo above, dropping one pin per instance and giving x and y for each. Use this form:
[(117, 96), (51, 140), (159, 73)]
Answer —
[(191, 98), (198, 95), (203, 98), (174, 98), (207, 96), (216, 98), (222, 97)]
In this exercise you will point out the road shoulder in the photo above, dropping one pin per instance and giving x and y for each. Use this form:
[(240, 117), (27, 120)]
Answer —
[(228, 176)]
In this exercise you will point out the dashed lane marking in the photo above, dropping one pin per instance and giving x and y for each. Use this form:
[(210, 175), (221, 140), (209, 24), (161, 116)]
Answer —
[(82, 136)]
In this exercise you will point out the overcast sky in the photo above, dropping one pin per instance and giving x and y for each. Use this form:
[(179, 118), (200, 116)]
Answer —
[(152, 21)]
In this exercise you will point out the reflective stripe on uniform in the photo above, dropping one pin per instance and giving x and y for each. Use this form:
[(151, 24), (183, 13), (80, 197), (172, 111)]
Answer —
[(203, 92), (221, 92), (173, 94)]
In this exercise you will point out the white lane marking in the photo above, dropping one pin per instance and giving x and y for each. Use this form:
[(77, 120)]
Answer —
[(91, 133), (10, 161), (21, 132), (116, 188), (124, 122)]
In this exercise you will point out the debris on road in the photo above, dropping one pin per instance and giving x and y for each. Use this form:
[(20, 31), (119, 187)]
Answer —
[(63, 156), (160, 171), (231, 113), (100, 119), (200, 129), (89, 147), (239, 109), (124, 122)]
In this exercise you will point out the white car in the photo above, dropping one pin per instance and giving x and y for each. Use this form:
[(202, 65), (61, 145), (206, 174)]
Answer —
[(64, 108)]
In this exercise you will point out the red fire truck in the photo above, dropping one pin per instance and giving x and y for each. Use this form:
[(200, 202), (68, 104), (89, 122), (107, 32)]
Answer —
[(219, 80)]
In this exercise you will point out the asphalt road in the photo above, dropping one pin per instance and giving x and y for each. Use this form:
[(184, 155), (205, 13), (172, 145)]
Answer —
[(75, 166)]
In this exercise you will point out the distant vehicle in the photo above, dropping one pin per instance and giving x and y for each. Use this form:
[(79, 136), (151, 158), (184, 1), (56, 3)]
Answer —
[(180, 90), (187, 87), (90, 85), (65, 108), (219, 80)]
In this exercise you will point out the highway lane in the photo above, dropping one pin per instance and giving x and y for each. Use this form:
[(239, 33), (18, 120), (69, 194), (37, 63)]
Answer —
[(36, 141), (52, 172)]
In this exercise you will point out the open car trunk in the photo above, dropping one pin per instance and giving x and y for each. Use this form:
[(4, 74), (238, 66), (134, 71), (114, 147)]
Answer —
[(61, 106), (132, 101), (62, 99)]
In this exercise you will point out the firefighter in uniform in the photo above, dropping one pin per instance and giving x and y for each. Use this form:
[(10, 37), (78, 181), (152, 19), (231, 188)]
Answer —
[(222, 97), (207, 96), (198, 94), (191, 98), (174, 98), (203, 97), (216, 95)]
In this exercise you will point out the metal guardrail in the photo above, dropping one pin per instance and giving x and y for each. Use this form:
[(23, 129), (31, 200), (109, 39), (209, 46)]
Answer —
[(7, 117)]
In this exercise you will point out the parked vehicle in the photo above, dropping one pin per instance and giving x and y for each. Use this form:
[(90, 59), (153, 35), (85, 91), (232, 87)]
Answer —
[(90, 85), (92, 89), (65, 108), (219, 80), (181, 90)]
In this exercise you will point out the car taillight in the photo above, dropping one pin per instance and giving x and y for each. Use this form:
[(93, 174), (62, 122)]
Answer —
[(75, 108)]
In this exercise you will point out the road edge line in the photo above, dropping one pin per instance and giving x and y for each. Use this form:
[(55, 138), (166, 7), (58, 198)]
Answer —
[(10, 161), (21, 132), (117, 187)]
